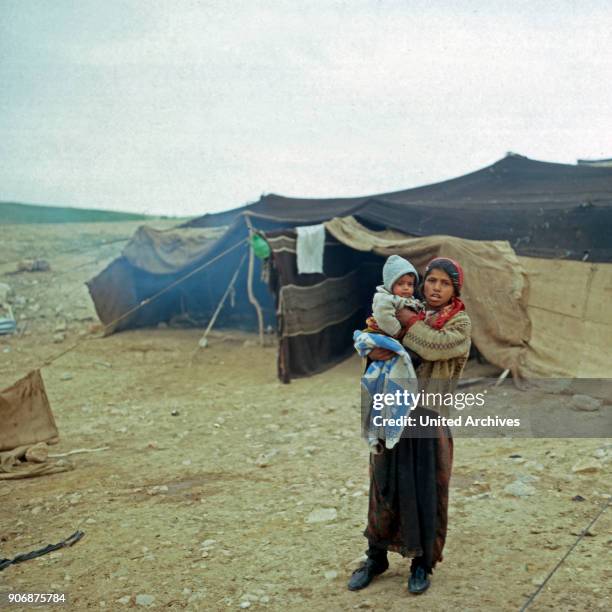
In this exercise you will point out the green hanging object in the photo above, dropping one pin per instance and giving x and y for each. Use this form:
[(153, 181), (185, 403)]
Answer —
[(260, 247)]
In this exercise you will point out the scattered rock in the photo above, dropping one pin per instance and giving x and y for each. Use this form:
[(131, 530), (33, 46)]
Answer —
[(519, 489), (264, 458), (588, 533), (585, 403), (322, 515), (528, 478), (480, 486), (33, 265), (144, 600), (331, 574), (586, 466)]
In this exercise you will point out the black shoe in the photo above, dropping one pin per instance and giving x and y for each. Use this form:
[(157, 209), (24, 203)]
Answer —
[(418, 581), (362, 576)]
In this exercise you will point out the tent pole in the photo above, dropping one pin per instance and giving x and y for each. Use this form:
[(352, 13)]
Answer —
[(251, 294), (203, 340)]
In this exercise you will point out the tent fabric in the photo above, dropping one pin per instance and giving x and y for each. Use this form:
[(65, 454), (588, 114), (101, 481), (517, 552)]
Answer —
[(25, 414), (168, 251), (543, 209), (531, 229), (153, 260), (569, 306), (495, 294)]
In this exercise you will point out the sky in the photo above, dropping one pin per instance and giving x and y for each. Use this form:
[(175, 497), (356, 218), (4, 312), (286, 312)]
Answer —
[(186, 107)]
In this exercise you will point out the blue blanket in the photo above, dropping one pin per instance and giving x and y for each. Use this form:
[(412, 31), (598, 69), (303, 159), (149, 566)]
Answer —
[(385, 377)]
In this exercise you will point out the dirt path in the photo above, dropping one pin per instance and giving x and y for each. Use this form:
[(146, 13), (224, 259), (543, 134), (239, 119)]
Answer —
[(214, 468)]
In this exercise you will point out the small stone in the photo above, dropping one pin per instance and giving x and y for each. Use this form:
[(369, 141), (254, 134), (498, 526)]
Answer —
[(66, 376), (144, 600), (480, 486), (57, 338), (330, 574), (125, 600), (322, 515), (91, 521), (599, 453), (245, 604), (585, 403), (519, 489), (60, 327), (528, 478), (175, 412), (208, 543), (586, 466)]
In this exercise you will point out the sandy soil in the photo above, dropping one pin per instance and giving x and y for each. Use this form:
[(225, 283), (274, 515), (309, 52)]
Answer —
[(213, 469)]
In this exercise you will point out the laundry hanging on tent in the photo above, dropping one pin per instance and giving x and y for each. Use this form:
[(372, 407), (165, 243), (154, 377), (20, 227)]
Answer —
[(310, 246)]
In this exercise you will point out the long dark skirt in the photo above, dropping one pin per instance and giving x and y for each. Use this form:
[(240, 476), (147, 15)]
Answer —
[(408, 503)]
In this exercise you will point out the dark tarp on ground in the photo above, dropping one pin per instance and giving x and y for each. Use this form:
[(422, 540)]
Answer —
[(542, 209), (317, 314)]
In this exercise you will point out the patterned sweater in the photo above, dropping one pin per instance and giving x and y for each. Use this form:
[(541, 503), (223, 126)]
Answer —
[(444, 352)]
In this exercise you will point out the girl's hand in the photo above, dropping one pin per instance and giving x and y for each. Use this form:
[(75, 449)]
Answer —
[(407, 317), (380, 354)]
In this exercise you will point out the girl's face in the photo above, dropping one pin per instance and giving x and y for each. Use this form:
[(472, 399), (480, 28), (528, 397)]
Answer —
[(404, 286), (438, 288)]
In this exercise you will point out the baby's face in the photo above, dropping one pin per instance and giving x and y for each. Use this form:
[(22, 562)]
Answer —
[(404, 286)]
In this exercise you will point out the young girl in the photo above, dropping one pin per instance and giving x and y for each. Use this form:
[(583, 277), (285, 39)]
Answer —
[(408, 501)]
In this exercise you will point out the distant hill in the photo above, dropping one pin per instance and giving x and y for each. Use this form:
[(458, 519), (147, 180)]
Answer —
[(16, 212)]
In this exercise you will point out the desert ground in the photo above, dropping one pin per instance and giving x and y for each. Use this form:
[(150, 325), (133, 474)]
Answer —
[(221, 488)]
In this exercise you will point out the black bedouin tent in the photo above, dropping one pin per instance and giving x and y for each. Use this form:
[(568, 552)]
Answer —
[(541, 209)]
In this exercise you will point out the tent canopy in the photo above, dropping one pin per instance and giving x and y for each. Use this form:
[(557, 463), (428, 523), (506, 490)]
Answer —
[(543, 209)]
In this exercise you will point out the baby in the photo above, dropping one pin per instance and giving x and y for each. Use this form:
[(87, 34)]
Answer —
[(397, 291)]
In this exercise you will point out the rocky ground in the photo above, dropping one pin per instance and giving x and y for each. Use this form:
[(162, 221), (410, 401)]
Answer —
[(223, 489)]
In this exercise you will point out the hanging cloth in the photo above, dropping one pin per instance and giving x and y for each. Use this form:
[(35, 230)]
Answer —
[(310, 245)]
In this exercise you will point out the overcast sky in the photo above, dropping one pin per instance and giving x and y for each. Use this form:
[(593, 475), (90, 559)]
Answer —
[(189, 107)]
